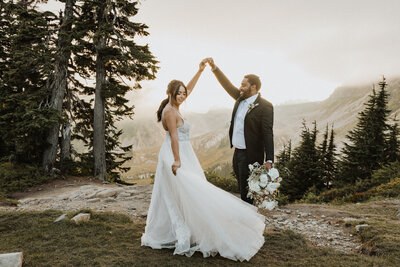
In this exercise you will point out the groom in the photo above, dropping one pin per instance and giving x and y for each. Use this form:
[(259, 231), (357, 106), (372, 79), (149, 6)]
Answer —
[(250, 131)]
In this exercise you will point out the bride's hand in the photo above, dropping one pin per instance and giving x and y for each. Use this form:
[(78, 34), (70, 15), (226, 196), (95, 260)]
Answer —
[(202, 64), (175, 166)]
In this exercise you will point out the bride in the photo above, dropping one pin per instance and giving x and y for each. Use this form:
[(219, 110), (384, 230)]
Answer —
[(187, 212)]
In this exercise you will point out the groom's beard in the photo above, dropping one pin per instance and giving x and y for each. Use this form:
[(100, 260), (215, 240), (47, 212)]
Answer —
[(245, 94)]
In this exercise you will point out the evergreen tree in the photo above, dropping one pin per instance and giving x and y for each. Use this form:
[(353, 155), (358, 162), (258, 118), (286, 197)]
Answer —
[(392, 150), (304, 166), (328, 158), (365, 150), (59, 85), (26, 63), (105, 44), (283, 157)]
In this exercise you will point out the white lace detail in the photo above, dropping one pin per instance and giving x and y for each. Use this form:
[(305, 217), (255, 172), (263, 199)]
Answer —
[(183, 132)]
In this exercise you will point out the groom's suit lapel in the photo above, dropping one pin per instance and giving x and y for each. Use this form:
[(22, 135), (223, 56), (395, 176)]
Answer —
[(256, 104)]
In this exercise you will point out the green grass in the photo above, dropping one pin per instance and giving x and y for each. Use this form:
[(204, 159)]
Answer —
[(382, 237), (110, 239)]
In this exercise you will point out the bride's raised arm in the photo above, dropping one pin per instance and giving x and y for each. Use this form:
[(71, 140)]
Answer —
[(190, 86)]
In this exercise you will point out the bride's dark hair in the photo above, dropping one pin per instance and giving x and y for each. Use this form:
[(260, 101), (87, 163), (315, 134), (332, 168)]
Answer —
[(172, 90)]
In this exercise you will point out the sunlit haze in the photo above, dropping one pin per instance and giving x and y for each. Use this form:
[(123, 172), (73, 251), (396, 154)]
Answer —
[(302, 50)]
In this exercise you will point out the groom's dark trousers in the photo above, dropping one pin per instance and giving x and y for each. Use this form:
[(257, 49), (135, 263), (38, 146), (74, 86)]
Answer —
[(241, 168)]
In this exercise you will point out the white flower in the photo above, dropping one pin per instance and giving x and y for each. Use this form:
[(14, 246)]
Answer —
[(263, 180), (254, 186), (270, 205), (271, 187), (273, 173), (251, 167)]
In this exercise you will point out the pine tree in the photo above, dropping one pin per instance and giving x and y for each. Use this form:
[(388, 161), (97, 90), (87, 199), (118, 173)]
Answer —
[(328, 158), (304, 166), (283, 157), (26, 63), (392, 150), (365, 150), (105, 32), (59, 85)]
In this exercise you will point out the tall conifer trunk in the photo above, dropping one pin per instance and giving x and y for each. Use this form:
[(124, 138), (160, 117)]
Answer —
[(59, 83), (99, 102)]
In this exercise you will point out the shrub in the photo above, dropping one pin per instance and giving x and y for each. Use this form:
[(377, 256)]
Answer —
[(336, 194), (20, 177), (390, 189), (282, 199), (228, 184), (386, 173)]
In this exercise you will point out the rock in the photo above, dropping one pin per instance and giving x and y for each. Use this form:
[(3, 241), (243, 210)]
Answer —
[(360, 226), (346, 220), (93, 200), (398, 213), (109, 199), (26, 200), (60, 218), (11, 259), (308, 214), (133, 208), (81, 217), (323, 216), (108, 192), (288, 211), (124, 194)]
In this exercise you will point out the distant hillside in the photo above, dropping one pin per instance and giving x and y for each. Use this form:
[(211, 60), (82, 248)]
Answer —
[(209, 131)]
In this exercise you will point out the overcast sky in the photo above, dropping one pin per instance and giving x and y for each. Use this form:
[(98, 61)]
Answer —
[(301, 49)]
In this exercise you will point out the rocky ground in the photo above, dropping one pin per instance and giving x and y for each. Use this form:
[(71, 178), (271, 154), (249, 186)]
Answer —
[(322, 225)]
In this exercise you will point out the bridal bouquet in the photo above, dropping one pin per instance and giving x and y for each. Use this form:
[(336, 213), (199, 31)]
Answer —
[(263, 186)]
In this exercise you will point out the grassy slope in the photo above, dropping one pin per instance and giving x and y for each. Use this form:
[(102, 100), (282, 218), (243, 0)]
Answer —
[(113, 240)]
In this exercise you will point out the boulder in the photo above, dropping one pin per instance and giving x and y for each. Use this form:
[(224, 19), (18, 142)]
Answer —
[(108, 193), (81, 217), (11, 259), (361, 226)]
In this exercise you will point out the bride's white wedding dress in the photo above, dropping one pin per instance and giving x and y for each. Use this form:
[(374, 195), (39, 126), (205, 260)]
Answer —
[(190, 214)]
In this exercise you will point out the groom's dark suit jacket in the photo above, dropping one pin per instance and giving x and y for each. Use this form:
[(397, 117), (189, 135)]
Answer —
[(258, 123)]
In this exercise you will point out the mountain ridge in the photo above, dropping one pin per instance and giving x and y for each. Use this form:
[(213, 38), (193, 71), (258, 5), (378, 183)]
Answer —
[(209, 132)]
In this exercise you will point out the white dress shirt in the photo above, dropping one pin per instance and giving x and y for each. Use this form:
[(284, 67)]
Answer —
[(238, 126)]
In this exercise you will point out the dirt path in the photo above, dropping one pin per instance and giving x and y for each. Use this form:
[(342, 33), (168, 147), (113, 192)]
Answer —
[(320, 224)]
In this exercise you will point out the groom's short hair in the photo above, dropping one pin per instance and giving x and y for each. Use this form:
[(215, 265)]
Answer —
[(254, 79)]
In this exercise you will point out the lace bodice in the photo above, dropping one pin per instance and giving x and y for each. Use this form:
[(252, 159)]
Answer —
[(183, 130)]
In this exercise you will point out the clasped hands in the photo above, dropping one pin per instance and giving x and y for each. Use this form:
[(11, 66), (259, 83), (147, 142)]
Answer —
[(204, 62)]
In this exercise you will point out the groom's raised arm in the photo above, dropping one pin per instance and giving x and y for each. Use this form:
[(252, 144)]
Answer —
[(232, 90)]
